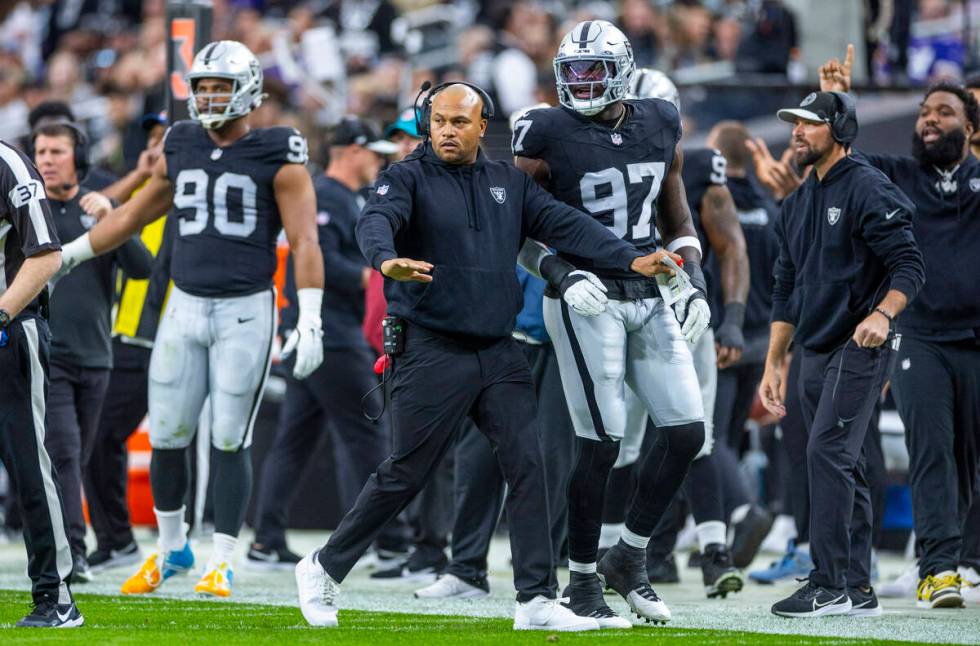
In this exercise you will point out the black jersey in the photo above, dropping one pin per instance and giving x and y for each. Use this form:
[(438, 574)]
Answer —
[(703, 168), (757, 214), (226, 205), (614, 174), (26, 226)]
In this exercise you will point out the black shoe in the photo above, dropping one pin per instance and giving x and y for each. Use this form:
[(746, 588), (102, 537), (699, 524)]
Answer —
[(51, 614), (863, 604), (264, 558), (748, 535), (663, 570), (80, 571), (694, 560), (813, 600), (624, 569), (719, 575), (100, 559), (584, 594), (420, 568)]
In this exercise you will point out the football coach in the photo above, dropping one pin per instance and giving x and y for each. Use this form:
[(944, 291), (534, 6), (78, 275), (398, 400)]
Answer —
[(847, 267), (445, 226)]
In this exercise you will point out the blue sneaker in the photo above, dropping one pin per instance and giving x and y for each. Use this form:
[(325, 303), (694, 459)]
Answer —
[(794, 564), (158, 568)]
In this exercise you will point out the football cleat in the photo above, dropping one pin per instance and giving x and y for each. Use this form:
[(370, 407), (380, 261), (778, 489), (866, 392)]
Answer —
[(541, 613), (449, 586), (663, 570), (748, 534), (156, 569), (584, 594), (263, 558), (624, 569), (216, 581), (100, 559), (940, 591), (720, 576), (317, 591)]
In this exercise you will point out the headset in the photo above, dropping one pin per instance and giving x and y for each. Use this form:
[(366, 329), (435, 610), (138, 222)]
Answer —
[(844, 126), (423, 112), (81, 144)]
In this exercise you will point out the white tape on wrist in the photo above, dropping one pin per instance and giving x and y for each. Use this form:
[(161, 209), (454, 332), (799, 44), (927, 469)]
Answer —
[(310, 303), (76, 251), (684, 241)]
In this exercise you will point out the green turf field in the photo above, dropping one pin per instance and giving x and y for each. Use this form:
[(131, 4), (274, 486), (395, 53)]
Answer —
[(125, 620)]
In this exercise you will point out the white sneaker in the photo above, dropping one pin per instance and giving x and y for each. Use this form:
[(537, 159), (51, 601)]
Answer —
[(449, 586), (903, 586), (541, 613), (970, 590), (317, 592), (783, 529)]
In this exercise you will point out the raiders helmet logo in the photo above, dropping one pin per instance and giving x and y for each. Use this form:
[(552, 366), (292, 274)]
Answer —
[(833, 215), (810, 98), (617, 138), (383, 189), (498, 193)]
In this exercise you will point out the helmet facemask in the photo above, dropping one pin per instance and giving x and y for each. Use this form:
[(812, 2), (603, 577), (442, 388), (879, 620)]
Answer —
[(229, 61)]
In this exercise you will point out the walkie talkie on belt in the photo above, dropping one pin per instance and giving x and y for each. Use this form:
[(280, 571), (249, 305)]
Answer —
[(393, 343)]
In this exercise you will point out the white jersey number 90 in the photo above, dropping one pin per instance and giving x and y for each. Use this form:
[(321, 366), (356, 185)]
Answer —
[(197, 199)]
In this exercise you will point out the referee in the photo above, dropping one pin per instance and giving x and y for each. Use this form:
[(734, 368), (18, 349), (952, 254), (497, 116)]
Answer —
[(466, 218), (847, 266), (30, 254)]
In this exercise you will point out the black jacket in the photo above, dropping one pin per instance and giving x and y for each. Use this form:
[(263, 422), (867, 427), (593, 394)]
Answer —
[(81, 304), (947, 229), (470, 222), (843, 243)]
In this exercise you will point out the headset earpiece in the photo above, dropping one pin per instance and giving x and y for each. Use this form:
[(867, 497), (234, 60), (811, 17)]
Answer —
[(844, 127), (81, 145), (423, 113)]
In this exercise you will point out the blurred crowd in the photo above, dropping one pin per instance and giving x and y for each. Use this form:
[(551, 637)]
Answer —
[(327, 58)]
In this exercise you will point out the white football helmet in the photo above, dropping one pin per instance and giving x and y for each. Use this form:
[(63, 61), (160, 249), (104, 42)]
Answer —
[(225, 59), (593, 67), (653, 84)]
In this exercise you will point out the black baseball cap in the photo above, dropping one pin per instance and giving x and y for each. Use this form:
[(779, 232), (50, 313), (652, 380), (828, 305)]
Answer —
[(817, 107), (355, 131)]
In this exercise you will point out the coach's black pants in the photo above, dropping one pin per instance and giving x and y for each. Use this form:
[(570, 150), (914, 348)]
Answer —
[(328, 401), (436, 383), (480, 481), (107, 473), (796, 496), (838, 392), (937, 390), (74, 406), (24, 383)]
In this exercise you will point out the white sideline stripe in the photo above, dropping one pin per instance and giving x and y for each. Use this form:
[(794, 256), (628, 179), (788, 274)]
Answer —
[(63, 560)]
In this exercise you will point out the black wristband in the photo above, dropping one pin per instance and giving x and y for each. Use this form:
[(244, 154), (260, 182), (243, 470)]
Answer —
[(891, 319), (554, 270), (734, 314), (694, 272)]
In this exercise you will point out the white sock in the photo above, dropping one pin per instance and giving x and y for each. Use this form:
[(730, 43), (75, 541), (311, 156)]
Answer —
[(739, 513), (222, 549), (712, 531), (581, 568), (173, 536), (804, 548), (634, 540), (610, 534)]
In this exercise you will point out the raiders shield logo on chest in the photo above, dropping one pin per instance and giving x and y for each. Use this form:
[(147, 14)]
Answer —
[(617, 138), (833, 215), (498, 193)]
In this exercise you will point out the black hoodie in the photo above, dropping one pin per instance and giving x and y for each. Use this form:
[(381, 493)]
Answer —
[(470, 221), (844, 241)]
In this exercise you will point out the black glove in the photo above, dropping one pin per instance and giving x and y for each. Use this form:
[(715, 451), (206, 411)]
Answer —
[(730, 331)]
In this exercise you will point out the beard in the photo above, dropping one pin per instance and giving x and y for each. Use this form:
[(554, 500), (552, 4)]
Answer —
[(945, 151), (809, 157)]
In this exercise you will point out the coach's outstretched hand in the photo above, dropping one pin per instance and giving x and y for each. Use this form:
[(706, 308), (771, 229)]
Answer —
[(653, 264), (836, 76), (406, 269)]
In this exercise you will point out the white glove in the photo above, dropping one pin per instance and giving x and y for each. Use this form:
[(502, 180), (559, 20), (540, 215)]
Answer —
[(584, 293), (307, 338), (72, 254), (694, 315)]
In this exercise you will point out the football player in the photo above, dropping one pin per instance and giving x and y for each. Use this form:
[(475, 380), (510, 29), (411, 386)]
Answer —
[(715, 469), (618, 160), (233, 189)]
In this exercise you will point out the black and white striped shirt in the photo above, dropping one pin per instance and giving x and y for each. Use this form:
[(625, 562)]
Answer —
[(26, 227)]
